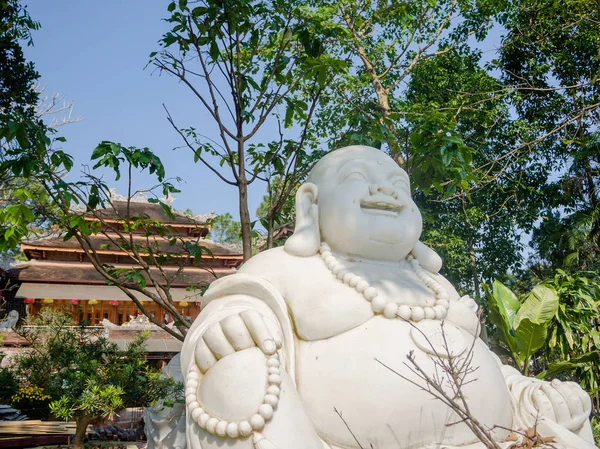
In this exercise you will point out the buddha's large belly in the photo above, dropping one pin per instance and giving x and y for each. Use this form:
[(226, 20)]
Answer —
[(341, 374)]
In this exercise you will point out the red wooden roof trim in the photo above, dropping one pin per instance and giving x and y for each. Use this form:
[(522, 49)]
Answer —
[(28, 247)]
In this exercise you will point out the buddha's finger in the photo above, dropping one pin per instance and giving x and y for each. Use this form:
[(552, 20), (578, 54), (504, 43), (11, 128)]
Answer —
[(569, 392), (579, 394), (543, 405), (237, 333), (275, 332), (559, 404), (584, 398), (259, 331), (217, 342), (205, 359)]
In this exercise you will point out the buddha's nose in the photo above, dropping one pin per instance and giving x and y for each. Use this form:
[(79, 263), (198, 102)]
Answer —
[(384, 188)]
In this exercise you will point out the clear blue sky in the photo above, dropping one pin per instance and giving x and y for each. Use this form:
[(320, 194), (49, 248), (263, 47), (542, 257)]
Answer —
[(94, 53)]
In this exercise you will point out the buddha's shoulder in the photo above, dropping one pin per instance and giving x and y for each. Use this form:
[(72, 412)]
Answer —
[(280, 268)]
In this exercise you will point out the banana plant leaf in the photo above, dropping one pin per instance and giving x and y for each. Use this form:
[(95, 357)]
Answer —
[(539, 307), (530, 336), (504, 306)]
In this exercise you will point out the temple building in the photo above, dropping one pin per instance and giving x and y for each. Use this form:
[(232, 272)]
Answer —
[(58, 273)]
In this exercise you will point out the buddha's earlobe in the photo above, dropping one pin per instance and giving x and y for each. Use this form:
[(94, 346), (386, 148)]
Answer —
[(306, 238), (428, 258)]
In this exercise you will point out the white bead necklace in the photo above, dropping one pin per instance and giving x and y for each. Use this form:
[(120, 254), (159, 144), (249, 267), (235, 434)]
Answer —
[(438, 310), (251, 426)]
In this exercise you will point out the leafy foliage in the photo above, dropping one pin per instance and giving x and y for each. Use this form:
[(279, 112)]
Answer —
[(225, 229), (523, 324), (248, 63), (87, 376)]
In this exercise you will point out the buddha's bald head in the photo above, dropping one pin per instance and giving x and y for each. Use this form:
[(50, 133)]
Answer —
[(329, 164), (361, 200)]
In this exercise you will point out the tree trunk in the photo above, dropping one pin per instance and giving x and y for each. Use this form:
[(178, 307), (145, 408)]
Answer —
[(79, 438), (245, 220), (474, 273), (269, 230)]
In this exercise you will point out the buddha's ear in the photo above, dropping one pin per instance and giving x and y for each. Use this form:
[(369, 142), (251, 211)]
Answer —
[(306, 239), (427, 258)]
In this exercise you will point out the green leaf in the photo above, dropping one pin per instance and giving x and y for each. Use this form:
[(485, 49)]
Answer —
[(504, 305), (214, 50), (530, 336), (539, 307), (570, 365)]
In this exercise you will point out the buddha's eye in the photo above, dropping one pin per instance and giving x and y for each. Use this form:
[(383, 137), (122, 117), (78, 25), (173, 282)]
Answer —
[(354, 176), (401, 184)]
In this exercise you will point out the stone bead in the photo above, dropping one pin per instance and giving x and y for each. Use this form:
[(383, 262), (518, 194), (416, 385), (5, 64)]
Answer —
[(196, 413), (274, 370), (274, 390), (439, 291), (370, 293), (348, 277), (193, 406), (325, 247), (361, 286), (443, 303), (232, 430), (325, 254), (378, 304), (257, 422), (266, 411), (440, 312), (203, 420), (274, 379), (221, 428), (245, 428), (190, 391), (211, 425), (429, 313), (390, 310), (190, 398), (337, 268), (273, 363), (354, 280), (340, 274), (193, 375), (404, 312), (329, 260), (417, 314), (271, 399)]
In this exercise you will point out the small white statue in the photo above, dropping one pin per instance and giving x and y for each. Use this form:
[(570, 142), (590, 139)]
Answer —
[(10, 321), (286, 348)]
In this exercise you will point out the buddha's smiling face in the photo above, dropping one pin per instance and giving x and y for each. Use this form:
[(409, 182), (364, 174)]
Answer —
[(365, 205)]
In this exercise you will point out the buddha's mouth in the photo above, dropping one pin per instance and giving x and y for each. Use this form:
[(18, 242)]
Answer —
[(381, 206)]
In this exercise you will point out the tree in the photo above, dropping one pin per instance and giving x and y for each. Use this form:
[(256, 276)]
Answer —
[(17, 76), (225, 229), (35, 198), (19, 124), (87, 376), (245, 62), (550, 58), (385, 42)]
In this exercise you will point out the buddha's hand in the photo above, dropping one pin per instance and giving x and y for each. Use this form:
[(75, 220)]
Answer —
[(236, 333), (565, 403)]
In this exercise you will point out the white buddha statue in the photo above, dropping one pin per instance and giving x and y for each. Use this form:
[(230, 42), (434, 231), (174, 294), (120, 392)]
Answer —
[(296, 350)]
